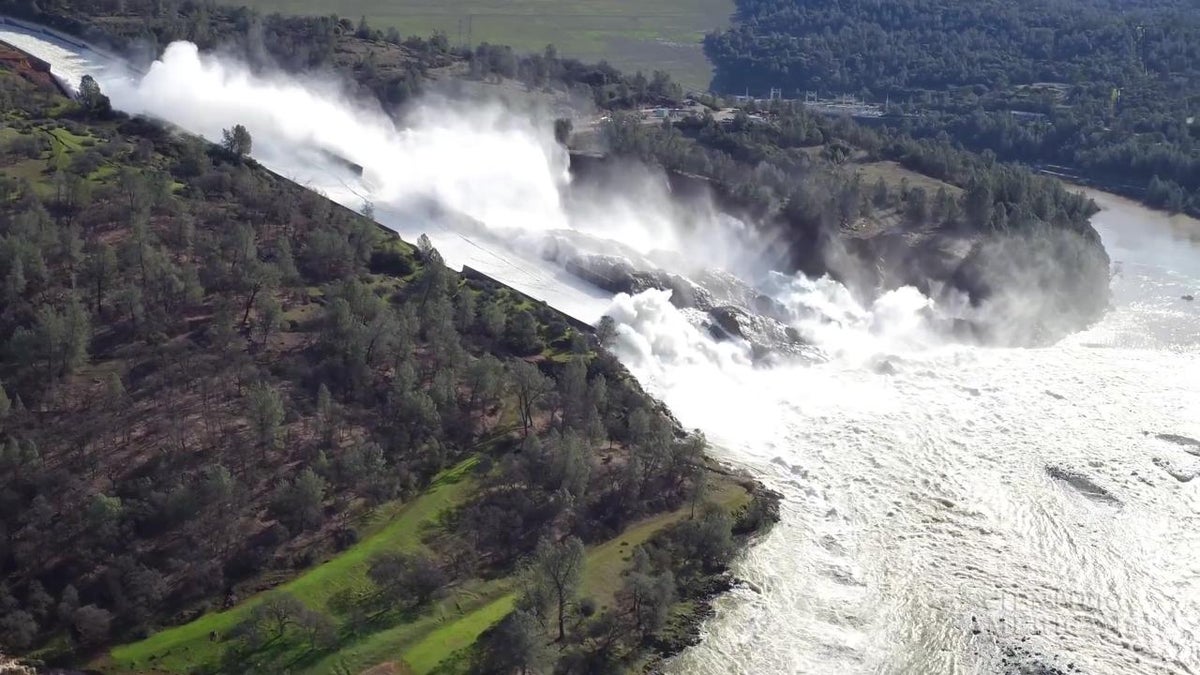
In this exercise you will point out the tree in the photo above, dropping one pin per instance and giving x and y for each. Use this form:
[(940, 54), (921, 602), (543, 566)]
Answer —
[(492, 319), (285, 262), (916, 206), (318, 628), (707, 540), (977, 204), (103, 514), (879, 195), (91, 99), (68, 602), (521, 334), (299, 504), (485, 377), (92, 624), (38, 602), (5, 402), (270, 316), (15, 283), (326, 415), (277, 611), (515, 644), (266, 414), (606, 330), (236, 141), (99, 269), (62, 337), (557, 567), (562, 130), (530, 387), (18, 629), (464, 310), (645, 596), (78, 335), (573, 395), (411, 579)]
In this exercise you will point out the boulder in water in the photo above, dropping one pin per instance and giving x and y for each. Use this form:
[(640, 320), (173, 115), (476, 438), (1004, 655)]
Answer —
[(1082, 484), (885, 367), (1181, 474), (1190, 445)]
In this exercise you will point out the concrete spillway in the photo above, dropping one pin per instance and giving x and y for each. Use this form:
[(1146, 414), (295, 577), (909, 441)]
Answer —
[(462, 241)]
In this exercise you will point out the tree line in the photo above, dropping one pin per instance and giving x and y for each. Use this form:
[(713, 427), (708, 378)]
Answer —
[(1106, 89), (765, 169)]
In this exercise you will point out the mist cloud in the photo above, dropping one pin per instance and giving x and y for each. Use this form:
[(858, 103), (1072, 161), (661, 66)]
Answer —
[(466, 171)]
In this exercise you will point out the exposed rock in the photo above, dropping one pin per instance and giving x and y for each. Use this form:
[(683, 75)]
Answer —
[(1023, 288), (885, 367), (1034, 288), (1189, 298), (618, 275), (765, 334), (1020, 660), (1190, 445), (1183, 475), (1177, 439), (1082, 484)]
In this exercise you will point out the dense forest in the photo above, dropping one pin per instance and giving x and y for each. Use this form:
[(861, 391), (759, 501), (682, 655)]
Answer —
[(213, 380), (1109, 90)]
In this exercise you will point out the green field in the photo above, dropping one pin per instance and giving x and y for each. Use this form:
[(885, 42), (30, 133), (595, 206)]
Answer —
[(631, 34)]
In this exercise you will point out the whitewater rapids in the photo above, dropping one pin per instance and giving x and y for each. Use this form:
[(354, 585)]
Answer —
[(933, 519), (947, 509)]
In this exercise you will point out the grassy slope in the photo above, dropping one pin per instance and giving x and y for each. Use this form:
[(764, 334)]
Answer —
[(185, 647), (893, 174), (432, 638), (631, 34)]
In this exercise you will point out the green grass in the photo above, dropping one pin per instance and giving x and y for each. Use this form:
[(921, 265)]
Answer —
[(454, 622), (63, 144), (437, 636), (631, 34), (607, 563), (425, 656), (187, 647), (603, 575)]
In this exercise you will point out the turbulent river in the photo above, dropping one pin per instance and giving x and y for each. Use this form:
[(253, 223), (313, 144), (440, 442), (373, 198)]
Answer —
[(974, 510), (947, 508)]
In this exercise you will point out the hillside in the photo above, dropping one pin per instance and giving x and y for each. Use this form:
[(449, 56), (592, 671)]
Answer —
[(879, 210), (215, 381), (1104, 91)]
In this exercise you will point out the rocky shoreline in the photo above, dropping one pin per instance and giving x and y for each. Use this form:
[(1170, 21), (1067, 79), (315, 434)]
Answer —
[(699, 606)]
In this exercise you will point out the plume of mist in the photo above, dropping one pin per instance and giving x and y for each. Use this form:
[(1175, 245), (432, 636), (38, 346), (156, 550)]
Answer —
[(485, 158), (485, 168)]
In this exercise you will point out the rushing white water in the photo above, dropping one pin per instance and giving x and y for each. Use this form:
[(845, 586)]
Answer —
[(918, 508), (943, 504)]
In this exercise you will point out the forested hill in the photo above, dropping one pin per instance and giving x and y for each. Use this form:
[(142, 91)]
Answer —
[(1106, 88), (214, 381)]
